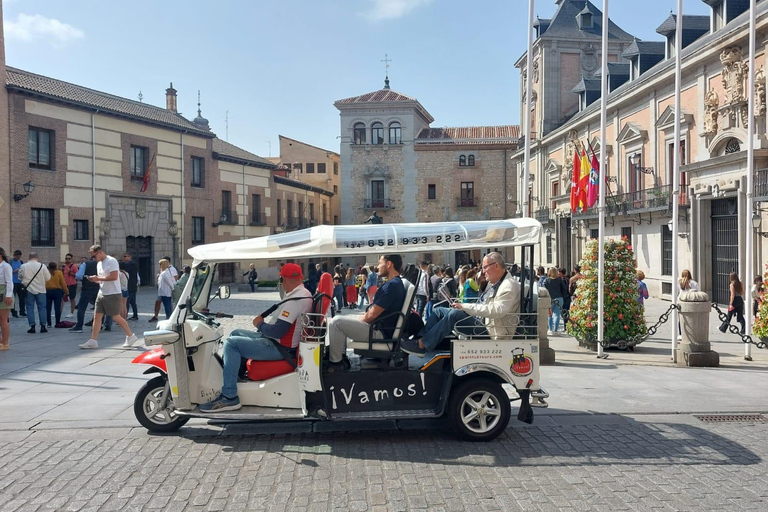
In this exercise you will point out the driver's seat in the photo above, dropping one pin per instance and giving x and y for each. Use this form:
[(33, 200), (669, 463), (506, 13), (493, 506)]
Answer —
[(321, 301)]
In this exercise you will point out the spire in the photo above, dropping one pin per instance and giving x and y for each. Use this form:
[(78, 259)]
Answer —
[(200, 120)]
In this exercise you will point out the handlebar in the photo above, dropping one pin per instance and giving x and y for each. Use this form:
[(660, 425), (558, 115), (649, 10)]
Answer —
[(224, 315)]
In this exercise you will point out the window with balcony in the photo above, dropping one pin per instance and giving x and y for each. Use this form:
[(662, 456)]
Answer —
[(43, 227), (40, 148), (139, 161), (325, 213), (627, 233), (289, 213), (198, 172), (467, 197), (359, 133), (377, 134), (378, 199), (671, 164), (395, 133), (279, 212)]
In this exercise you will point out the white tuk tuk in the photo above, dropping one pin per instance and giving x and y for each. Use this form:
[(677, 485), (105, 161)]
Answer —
[(471, 379)]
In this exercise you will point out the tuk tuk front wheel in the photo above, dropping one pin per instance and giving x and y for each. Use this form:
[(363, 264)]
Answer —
[(153, 415), (479, 410)]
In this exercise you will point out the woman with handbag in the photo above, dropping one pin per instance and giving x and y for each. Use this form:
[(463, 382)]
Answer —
[(736, 304), (6, 299)]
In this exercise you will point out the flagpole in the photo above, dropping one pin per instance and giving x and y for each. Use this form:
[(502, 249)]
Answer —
[(601, 180), (750, 176), (527, 117), (676, 172)]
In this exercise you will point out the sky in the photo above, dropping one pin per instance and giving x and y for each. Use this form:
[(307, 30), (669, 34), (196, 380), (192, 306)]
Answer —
[(277, 66)]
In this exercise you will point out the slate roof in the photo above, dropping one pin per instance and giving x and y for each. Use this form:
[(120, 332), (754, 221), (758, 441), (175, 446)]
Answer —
[(564, 24), (644, 48), (690, 23), (587, 84), (76, 95), (614, 69), (385, 96), (223, 150), (486, 135)]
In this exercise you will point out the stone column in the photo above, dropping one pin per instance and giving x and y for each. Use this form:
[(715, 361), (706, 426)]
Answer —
[(546, 354), (695, 348)]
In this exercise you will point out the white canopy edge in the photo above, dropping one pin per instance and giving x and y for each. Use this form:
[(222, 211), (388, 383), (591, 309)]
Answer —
[(366, 239)]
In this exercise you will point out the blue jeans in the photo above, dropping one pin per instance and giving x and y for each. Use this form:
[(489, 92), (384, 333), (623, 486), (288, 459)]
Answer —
[(363, 300), (42, 312), (167, 306), (53, 298), (553, 322), (249, 344), (441, 322), (421, 303)]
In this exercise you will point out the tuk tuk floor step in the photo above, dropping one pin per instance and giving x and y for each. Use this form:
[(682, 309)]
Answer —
[(405, 414), (248, 413)]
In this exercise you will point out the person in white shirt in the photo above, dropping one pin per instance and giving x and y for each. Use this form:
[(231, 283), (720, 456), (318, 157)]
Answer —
[(165, 284), (6, 299), (422, 288), (159, 301), (109, 300), (33, 276)]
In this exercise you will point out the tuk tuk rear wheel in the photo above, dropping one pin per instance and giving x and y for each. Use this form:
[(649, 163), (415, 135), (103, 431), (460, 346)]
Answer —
[(479, 410), (146, 404)]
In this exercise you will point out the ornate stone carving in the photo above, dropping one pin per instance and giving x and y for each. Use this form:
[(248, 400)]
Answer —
[(760, 92), (589, 59), (536, 71), (141, 208), (711, 104), (733, 75), (570, 149)]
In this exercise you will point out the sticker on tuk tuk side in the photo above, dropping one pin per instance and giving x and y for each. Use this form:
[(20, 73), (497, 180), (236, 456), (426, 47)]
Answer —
[(521, 364)]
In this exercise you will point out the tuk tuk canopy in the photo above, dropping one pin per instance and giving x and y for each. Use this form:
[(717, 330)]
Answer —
[(354, 240)]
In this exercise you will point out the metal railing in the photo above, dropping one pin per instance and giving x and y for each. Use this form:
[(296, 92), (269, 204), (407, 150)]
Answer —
[(376, 203), (230, 217), (291, 222), (467, 202), (761, 183), (258, 219), (649, 199)]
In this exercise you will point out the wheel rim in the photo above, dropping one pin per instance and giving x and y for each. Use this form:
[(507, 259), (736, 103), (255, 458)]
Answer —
[(158, 413), (480, 412)]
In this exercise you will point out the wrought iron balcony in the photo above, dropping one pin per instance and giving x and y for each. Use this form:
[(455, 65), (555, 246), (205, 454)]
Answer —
[(376, 203), (467, 202), (543, 215), (647, 200), (228, 217), (258, 219), (761, 184)]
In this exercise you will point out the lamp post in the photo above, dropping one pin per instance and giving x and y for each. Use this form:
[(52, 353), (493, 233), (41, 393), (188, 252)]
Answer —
[(173, 231), (636, 164), (29, 187)]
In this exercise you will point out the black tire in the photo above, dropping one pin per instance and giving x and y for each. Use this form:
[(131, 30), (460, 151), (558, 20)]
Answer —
[(496, 405), (143, 404), (631, 349)]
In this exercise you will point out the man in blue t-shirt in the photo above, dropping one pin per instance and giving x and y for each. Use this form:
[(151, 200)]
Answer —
[(389, 299)]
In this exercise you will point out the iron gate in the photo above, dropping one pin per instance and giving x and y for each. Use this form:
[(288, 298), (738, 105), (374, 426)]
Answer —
[(725, 247)]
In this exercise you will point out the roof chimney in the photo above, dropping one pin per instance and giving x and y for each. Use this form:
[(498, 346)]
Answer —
[(170, 99)]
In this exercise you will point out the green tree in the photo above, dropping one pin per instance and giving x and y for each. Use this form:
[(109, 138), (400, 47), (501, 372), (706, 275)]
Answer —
[(623, 312)]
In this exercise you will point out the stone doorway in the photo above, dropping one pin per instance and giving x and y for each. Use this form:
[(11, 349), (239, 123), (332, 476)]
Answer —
[(140, 248)]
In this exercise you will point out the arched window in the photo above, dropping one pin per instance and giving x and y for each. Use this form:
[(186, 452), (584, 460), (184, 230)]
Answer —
[(732, 146), (359, 130), (462, 160), (377, 133), (395, 133), (471, 160)]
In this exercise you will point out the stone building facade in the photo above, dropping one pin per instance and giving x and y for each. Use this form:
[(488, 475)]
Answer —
[(714, 209), (393, 164)]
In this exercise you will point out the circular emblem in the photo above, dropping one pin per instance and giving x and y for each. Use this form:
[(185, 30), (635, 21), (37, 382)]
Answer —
[(141, 208), (522, 365)]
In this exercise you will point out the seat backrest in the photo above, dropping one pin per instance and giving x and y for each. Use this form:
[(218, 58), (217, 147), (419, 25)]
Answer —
[(410, 295)]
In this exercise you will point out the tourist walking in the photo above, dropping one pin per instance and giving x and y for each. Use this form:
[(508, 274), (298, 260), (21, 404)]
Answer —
[(165, 284), (159, 301), (642, 289), (88, 292), (6, 299), (123, 290), (686, 282), (253, 277), (109, 297), (55, 290), (350, 283), (34, 275), (69, 269), (757, 291), (566, 313), (557, 290), (18, 288), (133, 284), (736, 303)]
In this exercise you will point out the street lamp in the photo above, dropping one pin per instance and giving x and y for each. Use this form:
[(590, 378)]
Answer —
[(636, 164), (548, 232), (756, 221), (681, 234), (29, 187), (222, 220)]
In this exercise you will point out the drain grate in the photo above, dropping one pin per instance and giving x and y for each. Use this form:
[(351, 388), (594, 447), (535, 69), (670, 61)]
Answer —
[(730, 418)]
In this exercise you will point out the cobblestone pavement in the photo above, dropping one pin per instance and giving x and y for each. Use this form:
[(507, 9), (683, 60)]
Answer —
[(623, 463), (620, 434)]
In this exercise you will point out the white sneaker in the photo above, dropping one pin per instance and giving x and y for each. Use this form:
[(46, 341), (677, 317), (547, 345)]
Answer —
[(90, 344), (70, 315), (130, 340), (549, 333)]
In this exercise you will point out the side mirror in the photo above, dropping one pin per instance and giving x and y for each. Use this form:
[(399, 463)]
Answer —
[(223, 292)]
